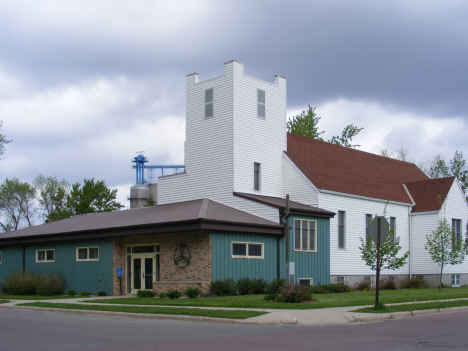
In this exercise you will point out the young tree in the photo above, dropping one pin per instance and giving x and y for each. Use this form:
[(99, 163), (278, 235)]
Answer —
[(52, 194), (401, 154), (306, 124), (3, 141), (17, 204), (444, 247)]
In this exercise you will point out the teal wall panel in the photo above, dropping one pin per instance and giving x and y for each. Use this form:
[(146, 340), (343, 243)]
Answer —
[(225, 266), (92, 276)]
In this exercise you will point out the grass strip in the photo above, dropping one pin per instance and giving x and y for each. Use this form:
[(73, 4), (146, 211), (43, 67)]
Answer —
[(4, 301), (34, 297), (354, 298), (415, 307), (232, 314)]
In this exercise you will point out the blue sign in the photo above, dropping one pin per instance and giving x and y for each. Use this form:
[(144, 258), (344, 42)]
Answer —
[(119, 272)]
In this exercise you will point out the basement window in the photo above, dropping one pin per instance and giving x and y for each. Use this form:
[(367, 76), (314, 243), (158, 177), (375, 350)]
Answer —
[(340, 280), (455, 280), (87, 253), (305, 281), (247, 250), (45, 256)]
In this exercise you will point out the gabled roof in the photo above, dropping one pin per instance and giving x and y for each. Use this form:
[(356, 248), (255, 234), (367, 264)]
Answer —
[(200, 214), (294, 207), (429, 194), (345, 170)]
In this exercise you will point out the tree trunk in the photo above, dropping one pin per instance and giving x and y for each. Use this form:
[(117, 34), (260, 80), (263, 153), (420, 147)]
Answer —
[(440, 277)]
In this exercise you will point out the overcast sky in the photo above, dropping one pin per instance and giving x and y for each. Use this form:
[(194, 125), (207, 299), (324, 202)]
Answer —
[(86, 84)]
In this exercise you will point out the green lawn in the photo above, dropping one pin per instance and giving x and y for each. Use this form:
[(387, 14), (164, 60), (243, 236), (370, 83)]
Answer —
[(233, 314), (4, 301), (354, 298), (415, 307), (34, 297)]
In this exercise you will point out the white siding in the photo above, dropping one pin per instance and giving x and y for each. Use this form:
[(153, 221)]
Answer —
[(297, 185), (455, 208), (348, 261)]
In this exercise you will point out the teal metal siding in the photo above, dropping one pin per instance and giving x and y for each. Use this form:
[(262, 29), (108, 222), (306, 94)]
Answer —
[(315, 265), (224, 266), (12, 259), (90, 276)]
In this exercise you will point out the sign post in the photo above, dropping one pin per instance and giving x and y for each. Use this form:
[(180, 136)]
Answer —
[(378, 232)]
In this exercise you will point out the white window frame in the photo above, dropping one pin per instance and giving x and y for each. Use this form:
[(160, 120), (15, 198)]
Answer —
[(368, 216), (261, 103), (455, 278), (257, 176), (45, 256), (393, 225), (339, 278), (456, 230), (310, 280), (209, 103), (87, 259), (308, 235), (342, 215), (261, 257)]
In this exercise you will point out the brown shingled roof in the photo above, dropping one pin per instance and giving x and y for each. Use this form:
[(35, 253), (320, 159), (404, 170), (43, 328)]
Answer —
[(200, 214), (427, 193), (345, 170)]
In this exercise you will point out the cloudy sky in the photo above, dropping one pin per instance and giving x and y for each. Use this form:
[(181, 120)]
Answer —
[(86, 84)]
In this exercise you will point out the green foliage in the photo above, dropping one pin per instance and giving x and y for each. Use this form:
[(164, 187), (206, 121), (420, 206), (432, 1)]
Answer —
[(174, 294), (306, 124), (85, 294), (51, 284), (16, 204), (52, 194), (347, 136), (246, 286), (329, 288), (270, 297), (150, 202), (413, 283), (387, 284), (275, 285), (163, 295), (20, 283), (71, 292), (3, 141), (192, 293), (225, 287), (146, 293), (444, 248), (101, 293), (294, 294), (363, 286)]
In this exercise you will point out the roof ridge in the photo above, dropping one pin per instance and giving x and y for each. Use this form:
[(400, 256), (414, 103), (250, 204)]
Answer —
[(203, 208)]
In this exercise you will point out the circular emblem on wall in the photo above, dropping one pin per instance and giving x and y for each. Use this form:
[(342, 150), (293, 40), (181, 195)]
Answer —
[(182, 255)]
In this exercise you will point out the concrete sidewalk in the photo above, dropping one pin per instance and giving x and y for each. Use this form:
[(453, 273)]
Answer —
[(324, 316)]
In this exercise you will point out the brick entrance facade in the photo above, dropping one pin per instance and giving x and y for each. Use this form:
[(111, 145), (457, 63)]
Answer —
[(196, 274)]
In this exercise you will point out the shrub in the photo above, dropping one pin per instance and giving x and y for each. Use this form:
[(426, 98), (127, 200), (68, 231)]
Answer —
[(275, 285), (192, 293), (51, 284), (413, 283), (146, 293), (163, 295), (101, 293), (363, 286), (20, 283), (71, 292), (85, 294), (174, 294), (3, 288), (329, 288), (270, 297), (244, 286), (259, 286), (224, 287), (387, 284), (294, 294)]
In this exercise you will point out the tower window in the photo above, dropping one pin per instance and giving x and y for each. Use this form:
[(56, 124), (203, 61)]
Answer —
[(209, 103), (261, 103), (256, 176)]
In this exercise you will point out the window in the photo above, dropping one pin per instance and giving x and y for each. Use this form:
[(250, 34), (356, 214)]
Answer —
[(420, 277), (87, 253), (261, 103), (455, 280), (340, 280), (209, 103), (456, 232), (45, 256), (391, 278), (368, 221), (392, 226), (305, 235), (368, 279), (257, 176), (247, 250), (305, 281), (341, 230)]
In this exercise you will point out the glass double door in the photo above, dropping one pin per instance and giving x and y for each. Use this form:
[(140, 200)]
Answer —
[(142, 273)]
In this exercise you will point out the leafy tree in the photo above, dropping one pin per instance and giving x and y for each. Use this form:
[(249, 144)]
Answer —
[(401, 154), (17, 204), (93, 197), (3, 141), (444, 247), (306, 124), (52, 194), (150, 202)]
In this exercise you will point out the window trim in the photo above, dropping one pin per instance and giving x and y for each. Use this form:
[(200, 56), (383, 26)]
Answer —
[(308, 236), (454, 278), (261, 103), (87, 259), (368, 222), (344, 230), (310, 280), (45, 256), (257, 176), (456, 224), (261, 257), (209, 103), (341, 276)]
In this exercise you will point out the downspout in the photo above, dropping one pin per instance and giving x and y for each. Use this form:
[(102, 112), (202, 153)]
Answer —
[(285, 222), (410, 248)]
